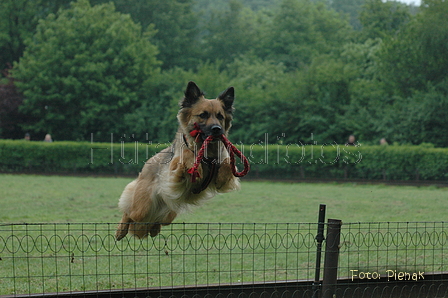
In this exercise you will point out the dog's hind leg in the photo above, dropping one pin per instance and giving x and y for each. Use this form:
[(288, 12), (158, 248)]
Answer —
[(123, 227), (169, 218), (142, 202), (155, 229), (125, 205)]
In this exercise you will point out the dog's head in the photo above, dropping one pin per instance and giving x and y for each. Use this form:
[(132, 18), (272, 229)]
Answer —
[(213, 116)]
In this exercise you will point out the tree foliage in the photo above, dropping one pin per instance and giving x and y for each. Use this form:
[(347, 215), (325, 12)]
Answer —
[(303, 70), (174, 22), (19, 19), (10, 101), (82, 71), (301, 30), (380, 19), (417, 54), (232, 32)]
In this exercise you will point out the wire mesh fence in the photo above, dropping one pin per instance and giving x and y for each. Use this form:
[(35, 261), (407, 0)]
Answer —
[(71, 257)]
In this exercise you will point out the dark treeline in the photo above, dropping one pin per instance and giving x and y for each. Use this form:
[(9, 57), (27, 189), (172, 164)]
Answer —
[(302, 69)]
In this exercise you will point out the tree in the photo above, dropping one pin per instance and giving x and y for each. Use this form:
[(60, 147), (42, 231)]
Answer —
[(18, 21), (368, 97), (10, 100), (381, 19), (175, 24), (421, 118), (265, 101), (301, 30), (350, 7), (83, 70), (417, 54), (232, 33)]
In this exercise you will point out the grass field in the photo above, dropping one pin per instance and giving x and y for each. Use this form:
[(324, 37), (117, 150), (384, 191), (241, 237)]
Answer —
[(28, 198), (223, 247)]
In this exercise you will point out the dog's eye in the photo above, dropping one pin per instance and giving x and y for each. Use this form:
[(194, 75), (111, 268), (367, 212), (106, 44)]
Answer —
[(204, 115), (220, 116)]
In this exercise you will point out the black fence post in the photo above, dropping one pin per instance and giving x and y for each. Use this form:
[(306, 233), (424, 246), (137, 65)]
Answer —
[(331, 258), (319, 239)]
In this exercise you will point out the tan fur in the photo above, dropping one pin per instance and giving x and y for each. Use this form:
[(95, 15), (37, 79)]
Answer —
[(164, 189)]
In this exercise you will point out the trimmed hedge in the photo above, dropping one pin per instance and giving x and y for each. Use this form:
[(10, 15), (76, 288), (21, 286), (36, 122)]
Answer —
[(273, 161)]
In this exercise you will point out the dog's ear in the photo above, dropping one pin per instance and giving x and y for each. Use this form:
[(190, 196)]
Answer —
[(227, 97), (192, 95)]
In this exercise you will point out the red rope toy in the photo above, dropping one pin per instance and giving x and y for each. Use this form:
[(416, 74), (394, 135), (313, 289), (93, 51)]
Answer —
[(230, 148)]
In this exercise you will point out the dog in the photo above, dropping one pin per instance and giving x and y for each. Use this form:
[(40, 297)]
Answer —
[(164, 187)]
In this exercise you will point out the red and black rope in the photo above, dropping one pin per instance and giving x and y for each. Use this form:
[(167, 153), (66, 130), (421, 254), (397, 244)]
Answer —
[(230, 148)]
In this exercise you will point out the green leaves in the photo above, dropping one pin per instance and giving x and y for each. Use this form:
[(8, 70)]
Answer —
[(420, 118), (291, 160), (381, 19), (81, 71), (301, 30), (298, 67), (415, 56)]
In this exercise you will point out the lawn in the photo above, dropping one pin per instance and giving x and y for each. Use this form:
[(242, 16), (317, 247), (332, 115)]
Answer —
[(68, 245), (32, 199)]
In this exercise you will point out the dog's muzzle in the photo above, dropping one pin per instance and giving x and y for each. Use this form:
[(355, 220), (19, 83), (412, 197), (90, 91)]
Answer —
[(216, 130)]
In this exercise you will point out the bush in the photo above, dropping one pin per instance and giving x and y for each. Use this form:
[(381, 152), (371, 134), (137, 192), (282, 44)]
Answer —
[(63, 157), (272, 161)]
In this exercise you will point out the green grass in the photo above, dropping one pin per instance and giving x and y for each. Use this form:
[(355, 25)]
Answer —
[(28, 198), (224, 247)]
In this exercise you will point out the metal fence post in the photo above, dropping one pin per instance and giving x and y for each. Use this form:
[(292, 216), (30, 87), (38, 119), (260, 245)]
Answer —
[(319, 239), (331, 258)]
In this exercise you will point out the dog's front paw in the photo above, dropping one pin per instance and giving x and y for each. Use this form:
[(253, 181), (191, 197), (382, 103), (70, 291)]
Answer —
[(199, 171), (225, 177), (188, 159)]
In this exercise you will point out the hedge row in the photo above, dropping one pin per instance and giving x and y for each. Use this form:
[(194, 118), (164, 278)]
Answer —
[(273, 161)]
